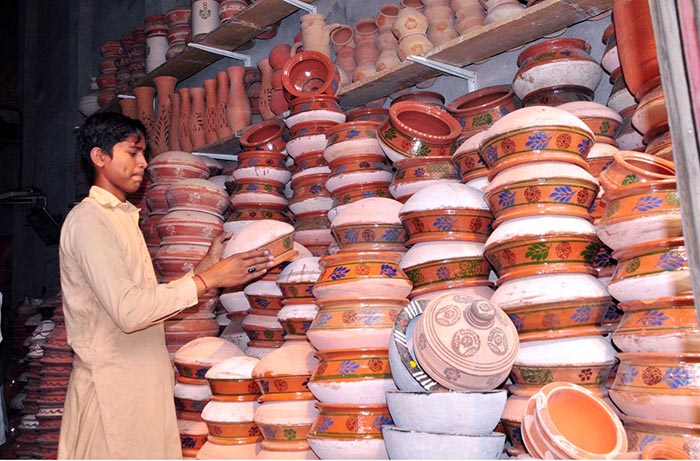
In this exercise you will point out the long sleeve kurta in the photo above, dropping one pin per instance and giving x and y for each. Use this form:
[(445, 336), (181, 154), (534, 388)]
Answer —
[(120, 397)]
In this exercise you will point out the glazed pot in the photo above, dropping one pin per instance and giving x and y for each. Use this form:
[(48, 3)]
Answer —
[(317, 108), (682, 436), (358, 168), (243, 212), (630, 168), (310, 194), (199, 194), (265, 135), (310, 73), (351, 138), (263, 295), (262, 164), (194, 359), (415, 174), (467, 159), (231, 379), (354, 192), (370, 224), (189, 225), (276, 236), (176, 165), (602, 120), (476, 111), (258, 190)]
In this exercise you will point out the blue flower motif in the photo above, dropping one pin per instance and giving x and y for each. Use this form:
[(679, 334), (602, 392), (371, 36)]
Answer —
[(309, 290), (672, 261), (370, 317), (388, 271), (648, 202), (538, 141), (352, 133), (653, 318), (602, 259), (339, 272), (647, 439), (305, 326), (254, 161), (613, 314), (445, 223), (506, 198), (503, 111), (594, 206), (491, 153), (252, 334), (517, 436), (584, 146), (351, 235), (316, 189), (252, 186), (420, 172), (368, 194), (380, 421), (562, 194), (322, 319), (201, 372), (481, 162), (269, 432), (264, 386), (566, 52), (628, 374), (348, 367), (676, 377), (325, 424), (443, 273), (188, 442), (392, 235), (341, 169), (582, 314), (261, 302), (517, 320)]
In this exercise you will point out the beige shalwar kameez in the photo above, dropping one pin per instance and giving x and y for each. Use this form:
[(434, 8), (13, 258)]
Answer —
[(120, 397)]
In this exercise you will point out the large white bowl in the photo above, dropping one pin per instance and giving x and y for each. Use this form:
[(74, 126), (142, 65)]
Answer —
[(407, 444), (326, 448)]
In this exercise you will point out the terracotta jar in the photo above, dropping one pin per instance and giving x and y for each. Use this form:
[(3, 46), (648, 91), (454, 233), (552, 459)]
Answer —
[(409, 21), (630, 168), (211, 106), (310, 73), (160, 135), (315, 33), (386, 16), (174, 134), (478, 110), (416, 44), (222, 94), (144, 102), (197, 134), (184, 123)]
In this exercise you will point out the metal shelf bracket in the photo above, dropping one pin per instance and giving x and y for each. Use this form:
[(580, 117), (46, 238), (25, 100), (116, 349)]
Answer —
[(229, 54), (468, 75), (126, 96), (301, 5)]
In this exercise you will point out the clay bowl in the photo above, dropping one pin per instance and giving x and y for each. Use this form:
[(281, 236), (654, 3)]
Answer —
[(650, 270), (310, 73), (355, 192), (308, 136), (155, 198), (352, 376), (197, 194), (659, 143), (474, 413), (230, 419), (658, 386), (360, 322), (600, 157), (189, 225), (415, 174), (665, 325), (149, 228), (467, 159), (476, 111), (176, 165), (197, 356), (374, 273), (565, 244), (263, 295), (231, 379), (317, 108), (262, 164), (681, 436), (640, 213), (265, 135), (176, 259), (262, 327), (367, 114), (602, 120), (370, 224), (358, 168), (276, 236), (253, 211), (258, 190), (193, 435), (402, 443), (417, 129), (552, 188), (351, 138), (297, 279), (630, 168), (296, 319), (309, 159), (651, 111)]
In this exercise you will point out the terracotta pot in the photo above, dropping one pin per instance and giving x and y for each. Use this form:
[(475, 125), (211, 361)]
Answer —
[(417, 44), (265, 135), (415, 174), (175, 165), (244, 211), (197, 133), (144, 102), (355, 192), (155, 198), (174, 132), (188, 225), (266, 89), (315, 33), (476, 111), (198, 194), (310, 73), (659, 143), (447, 225), (409, 21), (265, 164), (681, 436), (210, 113), (386, 16), (184, 122), (630, 168)]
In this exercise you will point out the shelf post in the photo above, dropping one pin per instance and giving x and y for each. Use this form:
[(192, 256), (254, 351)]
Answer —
[(229, 54), (468, 75)]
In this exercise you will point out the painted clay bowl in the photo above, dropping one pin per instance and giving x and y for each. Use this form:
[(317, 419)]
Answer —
[(246, 212), (296, 319), (189, 225), (264, 295), (351, 138), (472, 412), (469, 322), (191, 397), (527, 380), (414, 174), (370, 224), (552, 188), (176, 165), (258, 190), (602, 120), (643, 431), (352, 376), (402, 443), (467, 159), (650, 270), (620, 97), (231, 379), (374, 273), (476, 111), (535, 134), (367, 114), (359, 322), (665, 325), (310, 73), (313, 229), (630, 168), (641, 213), (266, 135), (628, 138), (297, 279), (155, 198), (276, 236), (262, 327), (199, 194), (176, 259), (193, 434), (296, 358), (658, 142), (651, 111), (556, 62), (354, 192), (658, 386), (231, 419), (416, 129), (358, 168), (566, 244), (262, 164), (310, 194), (308, 136), (600, 157), (317, 108), (275, 418), (308, 160), (150, 230)]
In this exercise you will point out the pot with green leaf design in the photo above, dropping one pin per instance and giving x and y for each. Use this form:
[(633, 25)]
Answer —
[(630, 168)]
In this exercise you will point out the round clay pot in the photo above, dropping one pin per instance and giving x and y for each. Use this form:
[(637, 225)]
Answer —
[(630, 168), (351, 138), (367, 114), (415, 174), (310, 194), (176, 259), (310, 73), (476, 111), (198, 194), (176, 165), (317, 108), (682, 436), (265, 135), (602, 120), (409, 21), (262, 164), (189, 225), (358, 168), (467, 159), (258, 190), (263, 295), (354, 192), (276, 236)]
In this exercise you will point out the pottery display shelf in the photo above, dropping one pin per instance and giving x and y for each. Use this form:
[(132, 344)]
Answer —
[(238, 30), (534, 22)]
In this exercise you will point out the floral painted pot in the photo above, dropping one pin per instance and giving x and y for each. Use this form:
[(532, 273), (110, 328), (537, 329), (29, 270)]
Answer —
[(313, 229), (467, 225), (176, 259), (358, 168), (310, 73), (370, 237), (536, 134), (630, 168), (602, 120), (254, 211), (416, 129), (358, 322), (286, 423), (556, 62), (368, 114), (308, 136), (321, 108), (191, 397), (349, 431), (651, 111), (262, 325), (467, 159), (189, 225), (373, 273), (231, 381), (528, 380), (231, 419), (643, 431), (200, 194), (476, 111), (296, 319), (258, 190), (262, 164), (641, 213), (310, 194), (352, 376), (155, 198), (600, 157), (351, 138), (665, 325), (356, 192), (308, 160), (650, 270), (193, 435), (278, 237), (263, 295), (265, 135), (414, 174), (177, 165), (658, 386), (552, 188), (658, 142)]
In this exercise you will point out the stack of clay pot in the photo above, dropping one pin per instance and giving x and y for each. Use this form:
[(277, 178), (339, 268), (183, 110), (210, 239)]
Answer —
[(156, 41), (500, 10), (179, 30), (542, 248), (230, 431), (440, 17), (366, 49), (387, 43), (261, 324), (342, 39), (556, 71), (192, 392), (469, 15), (111, 51), (410, 27), (135, 49), (420, 139), (205, 17)]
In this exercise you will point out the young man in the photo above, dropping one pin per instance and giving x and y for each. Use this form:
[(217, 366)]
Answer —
[(120, 397)]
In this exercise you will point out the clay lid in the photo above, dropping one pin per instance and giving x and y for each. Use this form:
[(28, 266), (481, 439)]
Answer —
[(294, 358), (257, 234), (375, 210), (539, 225), (589, 109), (177, 157), (192, 391), (262, 287), (445, 196), (536, 116), (434, 251), (207, 351), (301, 270), (203, 183)]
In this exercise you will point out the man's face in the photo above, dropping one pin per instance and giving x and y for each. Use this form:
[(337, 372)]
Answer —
[(122, 174)]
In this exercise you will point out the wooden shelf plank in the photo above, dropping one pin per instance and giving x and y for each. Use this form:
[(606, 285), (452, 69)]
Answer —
[(534, 22), (229, 145)]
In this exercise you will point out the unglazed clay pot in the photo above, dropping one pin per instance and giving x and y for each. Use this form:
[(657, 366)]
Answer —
[(200, 194), (176, 165), (273, 235), (407, 444), (476, 111), (195, 358), (176, 259), (182, 225)]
